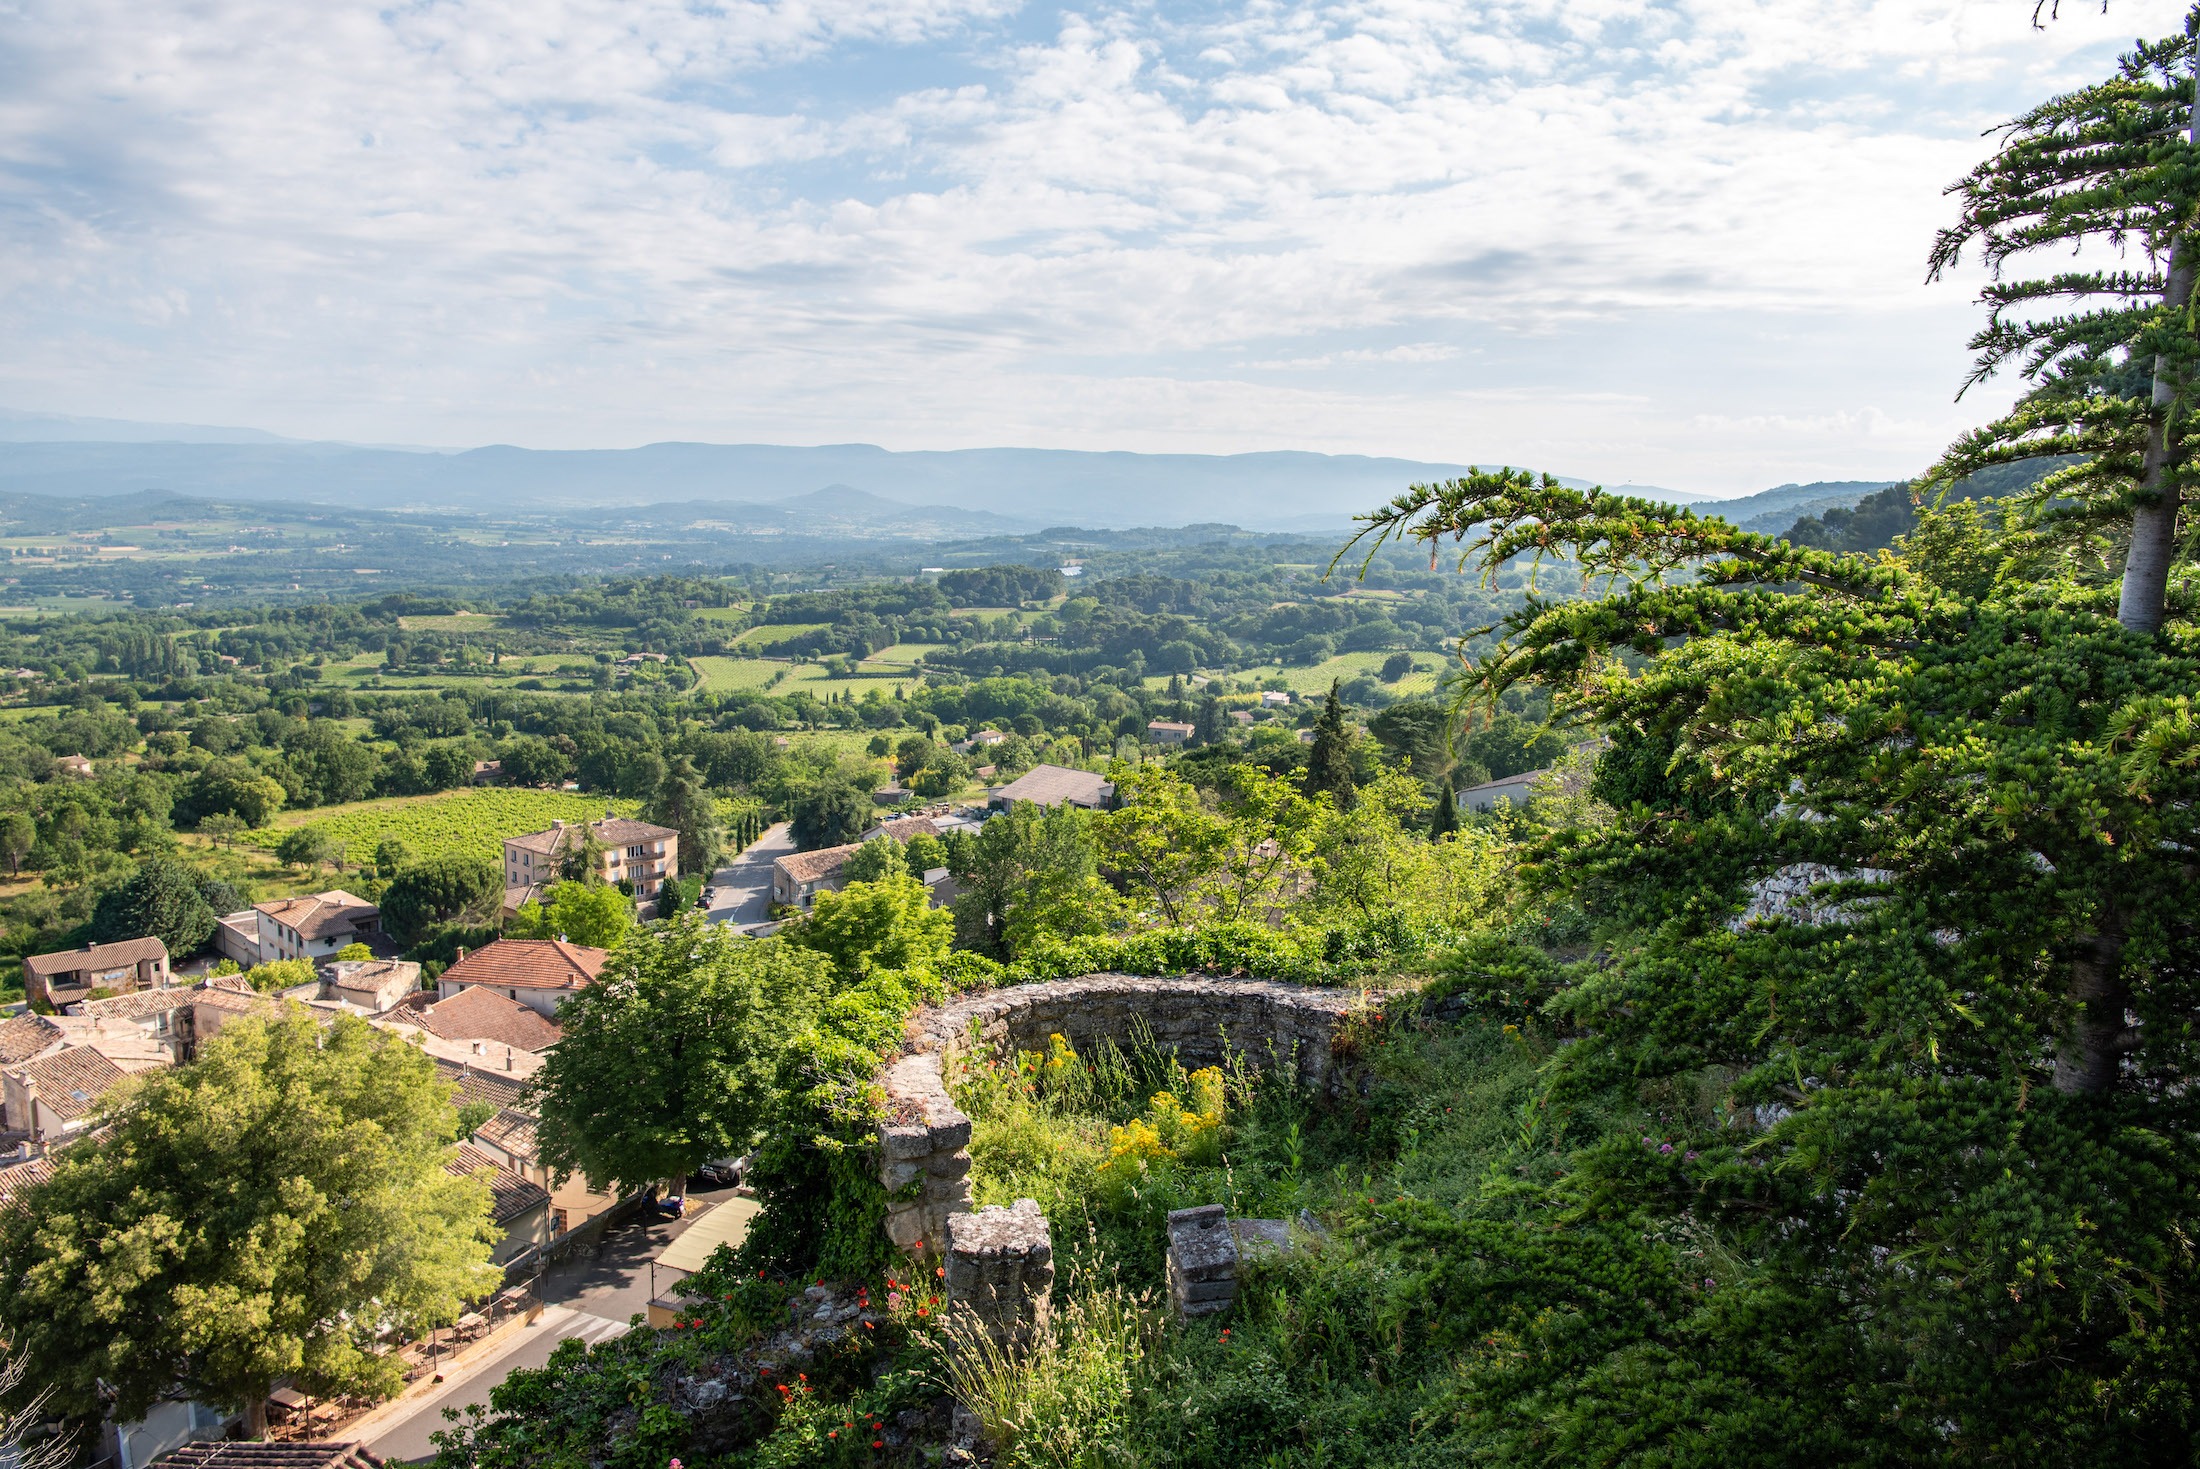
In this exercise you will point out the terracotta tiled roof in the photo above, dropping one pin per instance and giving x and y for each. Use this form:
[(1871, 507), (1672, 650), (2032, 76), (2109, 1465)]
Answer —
[(810, 866), (1051, 785), (25, 1036), (612, 831), (18, 1178), (477, 1013), (97, 956), (475, 1086), (321, 915), (509, 1194), (624, 831), (534, 964), (70, 1083), (139, 1003), (241, 1455), (512, 1131)]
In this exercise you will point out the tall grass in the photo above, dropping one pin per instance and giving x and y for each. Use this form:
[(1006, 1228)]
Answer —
[(1064, 1400)]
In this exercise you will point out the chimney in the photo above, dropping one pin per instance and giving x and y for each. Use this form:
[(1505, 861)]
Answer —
[(461, 955), (558, 825), (507, 1058)]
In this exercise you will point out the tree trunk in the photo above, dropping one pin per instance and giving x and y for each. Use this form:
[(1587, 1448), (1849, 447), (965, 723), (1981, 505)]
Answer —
[(255, 1413), (2143, 602), (2090, 1055)]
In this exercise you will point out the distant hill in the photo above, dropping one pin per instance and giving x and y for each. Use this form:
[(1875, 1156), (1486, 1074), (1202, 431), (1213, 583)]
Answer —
[(1769, 512)]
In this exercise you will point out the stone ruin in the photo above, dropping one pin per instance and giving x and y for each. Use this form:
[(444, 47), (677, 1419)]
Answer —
[(1206, 1247), (1000, 1262)]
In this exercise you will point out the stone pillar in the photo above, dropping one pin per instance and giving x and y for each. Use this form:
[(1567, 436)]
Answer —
[(1000, 1267), (924, 1155), (1203, 1261)]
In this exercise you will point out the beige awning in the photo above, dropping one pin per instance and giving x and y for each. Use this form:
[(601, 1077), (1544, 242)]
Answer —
[(727, 1223)]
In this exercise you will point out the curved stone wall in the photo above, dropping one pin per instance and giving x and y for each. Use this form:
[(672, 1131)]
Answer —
[(925, 1138)]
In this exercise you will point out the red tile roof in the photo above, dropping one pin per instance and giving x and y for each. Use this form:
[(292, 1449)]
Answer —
[(478, 1013), (509, 1194), (532, 964), (97, 956), (322, 915), (71, 1083), (25, 1036)]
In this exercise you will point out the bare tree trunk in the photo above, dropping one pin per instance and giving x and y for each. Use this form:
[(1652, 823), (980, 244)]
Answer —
[(255, 1414), (2090, 1055), (2143, 601)]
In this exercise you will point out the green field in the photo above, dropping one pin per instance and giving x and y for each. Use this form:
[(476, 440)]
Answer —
[(468, 823), (772, 632), (725, 675), (453, 622), (1348, 666), (734, 613), (905, 653)]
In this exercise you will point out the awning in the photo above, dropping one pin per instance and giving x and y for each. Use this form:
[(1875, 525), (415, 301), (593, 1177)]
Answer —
[(727, 1223)]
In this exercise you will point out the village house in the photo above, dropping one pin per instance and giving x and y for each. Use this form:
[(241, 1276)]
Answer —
[(537, 973), (372, 985), (163, 1026), (1512, 789), (797, 879), (520, 1209), (1057, 785), (1168, 732), (508, 1137), (75, 765), (487, 1023), (50, 1100), (643, 855), (1274, 698), (316, 926), (73, 974)]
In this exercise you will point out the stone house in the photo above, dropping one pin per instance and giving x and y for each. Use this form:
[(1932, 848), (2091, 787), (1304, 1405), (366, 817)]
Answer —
[(76, 765), (1514, 789), (63, 978), (1168, 732), (518, 1207), (798, 878)]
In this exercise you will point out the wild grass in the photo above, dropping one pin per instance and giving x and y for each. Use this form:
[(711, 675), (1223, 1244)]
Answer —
[(1065, 1399)]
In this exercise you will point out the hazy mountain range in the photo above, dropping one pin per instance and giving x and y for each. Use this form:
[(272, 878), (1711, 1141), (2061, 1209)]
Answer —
[(759, 489)]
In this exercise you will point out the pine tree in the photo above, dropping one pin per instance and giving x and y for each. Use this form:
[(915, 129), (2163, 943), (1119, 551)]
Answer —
[(1329, 765), (2109, 167)]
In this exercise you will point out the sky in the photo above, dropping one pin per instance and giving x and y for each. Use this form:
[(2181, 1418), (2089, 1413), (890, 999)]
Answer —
[(1675, 242)]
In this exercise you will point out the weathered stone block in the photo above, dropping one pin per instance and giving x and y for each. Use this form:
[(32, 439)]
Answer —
[(1000, 1267)]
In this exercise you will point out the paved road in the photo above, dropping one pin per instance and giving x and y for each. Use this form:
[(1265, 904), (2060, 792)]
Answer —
[(745, 884), (592, 1299)]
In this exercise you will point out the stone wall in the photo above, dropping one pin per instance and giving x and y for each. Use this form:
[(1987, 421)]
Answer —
[(924, 1143)]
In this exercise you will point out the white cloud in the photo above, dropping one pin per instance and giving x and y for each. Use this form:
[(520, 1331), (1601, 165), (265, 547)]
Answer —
[(932, 222)]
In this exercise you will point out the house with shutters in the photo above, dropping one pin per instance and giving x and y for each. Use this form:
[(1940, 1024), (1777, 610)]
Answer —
[(537, 973), (641, 854)]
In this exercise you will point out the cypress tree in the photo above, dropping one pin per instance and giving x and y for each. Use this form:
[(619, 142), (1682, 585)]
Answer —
[(1209, 728), (1328, 767), (1444, 820)]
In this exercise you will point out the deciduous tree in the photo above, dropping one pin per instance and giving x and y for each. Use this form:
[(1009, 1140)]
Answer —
[(669, 1058), (268, 1211)]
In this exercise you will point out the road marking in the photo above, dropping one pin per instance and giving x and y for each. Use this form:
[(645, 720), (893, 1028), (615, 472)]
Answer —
[(589, 1328)]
